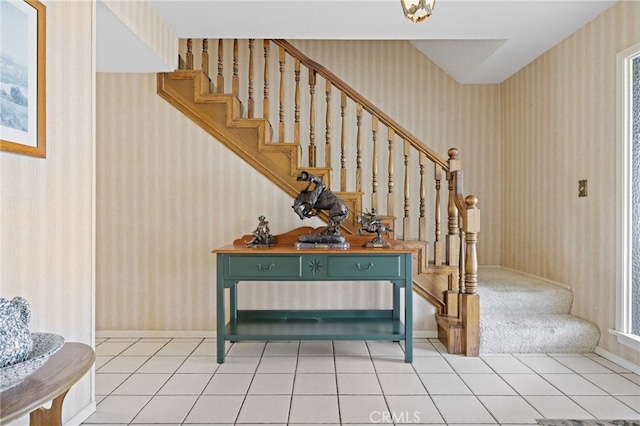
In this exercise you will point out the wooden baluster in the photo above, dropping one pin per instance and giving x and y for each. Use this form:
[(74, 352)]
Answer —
[(251, 102), (235, 83), (453, 237), (327, 133), (204, 63), (281, 108), (461, 262), (189, 55), (296, 125), (437, 245), (343, 143), (374, 163), (359, 148), (406, 220), (220, 78), (312, 118), (472, 227), (265, 102), (390, 202), (422, 221)]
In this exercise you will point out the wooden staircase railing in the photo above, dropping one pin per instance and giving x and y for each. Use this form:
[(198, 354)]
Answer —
[(448, 277)]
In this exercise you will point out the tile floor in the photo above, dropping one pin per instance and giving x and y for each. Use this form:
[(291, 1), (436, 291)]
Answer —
[(178, 381)]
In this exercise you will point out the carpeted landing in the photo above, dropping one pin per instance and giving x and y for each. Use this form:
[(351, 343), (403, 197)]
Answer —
[(523, 314)]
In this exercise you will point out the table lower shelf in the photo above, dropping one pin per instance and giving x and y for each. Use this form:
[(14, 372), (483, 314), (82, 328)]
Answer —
[(315, 325)]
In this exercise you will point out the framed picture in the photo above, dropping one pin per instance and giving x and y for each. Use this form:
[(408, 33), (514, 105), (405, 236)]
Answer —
[(23, 77)]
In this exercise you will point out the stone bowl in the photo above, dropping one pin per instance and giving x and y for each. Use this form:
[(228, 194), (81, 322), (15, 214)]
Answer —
[(44, 345)]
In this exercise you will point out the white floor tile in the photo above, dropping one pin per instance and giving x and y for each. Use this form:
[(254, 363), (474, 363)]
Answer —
[(316, 348), (557, 407), (431, 364), (113, 348), (354, 364), (462, 409), (582, 364), (206, 348), (401, 384), (162, 364), (246, 349), (506, 364), (350, 348), (282, 349), (543, 364), (265, 409), (610, 365), (106, 383), (144, 347), (123, 364), (487, 384), (510, 409), (392, 365), (102, 360), (606, 407), (613, 384), (179, 347), (573, 384), (185, 384), (166, 409), (229, 384), (530, 384), (269, 384), (358, 384), (142, 384), (199, 364), (239, 364), (385, 349), (631, 401), (365, 409), (316, 364), (278, 365), (215, 408), (314, 409), (631, 376), (421, 349), (444, 384), (462, 364), (118, 409), (315, 384), (413, 409)]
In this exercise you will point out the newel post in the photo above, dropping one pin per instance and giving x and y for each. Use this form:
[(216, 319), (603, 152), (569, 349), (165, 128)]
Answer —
[(453, 239), (470, 298)]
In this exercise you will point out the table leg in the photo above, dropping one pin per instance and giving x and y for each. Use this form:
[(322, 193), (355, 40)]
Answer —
[(220, 313), (408, 311), (396, 301), (48, 416)]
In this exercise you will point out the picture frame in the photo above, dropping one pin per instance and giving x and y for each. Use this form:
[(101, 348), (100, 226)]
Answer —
[(23, 77)]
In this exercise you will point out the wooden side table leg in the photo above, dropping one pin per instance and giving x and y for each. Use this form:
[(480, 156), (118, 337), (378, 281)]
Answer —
[(49, 416)]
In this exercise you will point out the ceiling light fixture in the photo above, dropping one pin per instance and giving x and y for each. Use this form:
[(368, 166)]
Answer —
[(417, 10)]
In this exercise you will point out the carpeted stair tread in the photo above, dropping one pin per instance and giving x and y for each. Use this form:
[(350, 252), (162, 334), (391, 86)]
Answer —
[(536, 333), (504, 290)]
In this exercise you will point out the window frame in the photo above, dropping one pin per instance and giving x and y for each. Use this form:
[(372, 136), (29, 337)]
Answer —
[(624, 136)]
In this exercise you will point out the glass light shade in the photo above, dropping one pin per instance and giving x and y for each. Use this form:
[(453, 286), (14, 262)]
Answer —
[(417, 10)]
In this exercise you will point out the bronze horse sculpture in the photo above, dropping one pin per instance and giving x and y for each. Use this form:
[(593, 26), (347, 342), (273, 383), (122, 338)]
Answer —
[(371, 223), (310, 203)]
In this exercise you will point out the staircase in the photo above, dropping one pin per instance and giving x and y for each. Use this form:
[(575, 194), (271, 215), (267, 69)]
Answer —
[(535, 319), (405, 181)]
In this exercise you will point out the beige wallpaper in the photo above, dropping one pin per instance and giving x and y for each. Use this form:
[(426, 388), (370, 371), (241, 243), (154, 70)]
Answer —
[(46, 207), (559, 126)]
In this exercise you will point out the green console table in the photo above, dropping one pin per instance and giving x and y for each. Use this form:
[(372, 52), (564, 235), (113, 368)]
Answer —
[(283, 262)]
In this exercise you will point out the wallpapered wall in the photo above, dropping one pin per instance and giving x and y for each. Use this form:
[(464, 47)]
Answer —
[(168, 193), (559, 126), (46, 204)]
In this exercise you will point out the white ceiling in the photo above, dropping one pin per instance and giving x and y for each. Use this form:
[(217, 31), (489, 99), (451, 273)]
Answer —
[(473, 41)]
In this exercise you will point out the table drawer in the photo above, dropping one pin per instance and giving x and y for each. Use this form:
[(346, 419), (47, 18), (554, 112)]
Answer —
[(265, 266), (365, 266)]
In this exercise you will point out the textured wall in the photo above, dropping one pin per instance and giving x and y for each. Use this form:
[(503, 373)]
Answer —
[(46, 204), (559, 126)]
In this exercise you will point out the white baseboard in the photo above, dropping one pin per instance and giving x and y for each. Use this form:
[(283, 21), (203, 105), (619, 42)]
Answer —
[(635, 368), (529, 275), (82, 415), (154, 334), (170, 334)]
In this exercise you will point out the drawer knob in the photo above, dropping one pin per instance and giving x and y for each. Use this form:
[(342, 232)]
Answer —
[(268, 268), (360, 268)]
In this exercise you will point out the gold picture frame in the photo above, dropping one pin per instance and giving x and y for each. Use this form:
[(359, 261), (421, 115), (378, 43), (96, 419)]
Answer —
[(23, 78)]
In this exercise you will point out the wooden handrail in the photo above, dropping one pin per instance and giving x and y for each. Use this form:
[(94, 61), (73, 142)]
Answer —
[(366, 104)]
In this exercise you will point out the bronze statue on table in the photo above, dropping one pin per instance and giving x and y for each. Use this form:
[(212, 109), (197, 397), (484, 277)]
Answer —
[(310, 203), (371, 223), (261, 235)]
